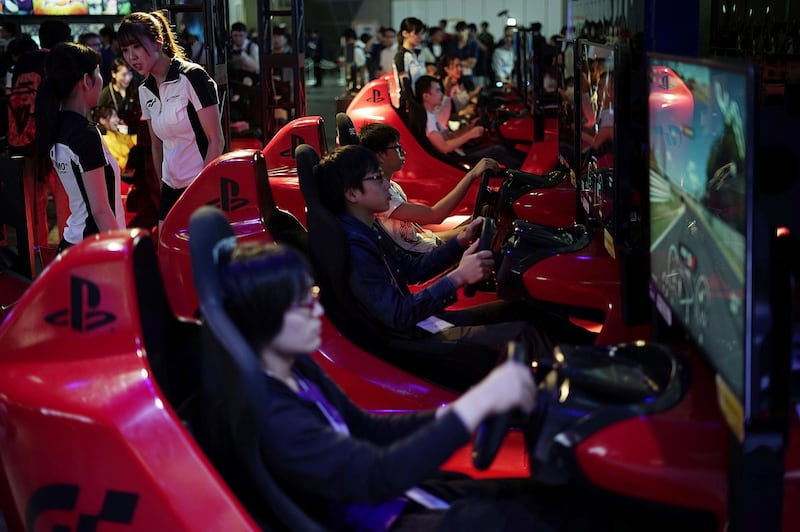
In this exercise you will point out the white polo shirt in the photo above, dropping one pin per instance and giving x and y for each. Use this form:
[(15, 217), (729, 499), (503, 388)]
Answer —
[(172, 109), (79, 149)]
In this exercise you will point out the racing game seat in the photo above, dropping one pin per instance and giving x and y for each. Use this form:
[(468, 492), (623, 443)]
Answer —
[(436, 360), (233, 389), (345, 130)]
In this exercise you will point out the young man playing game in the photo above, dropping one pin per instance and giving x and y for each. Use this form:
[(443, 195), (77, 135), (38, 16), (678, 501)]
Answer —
[(353, 187)]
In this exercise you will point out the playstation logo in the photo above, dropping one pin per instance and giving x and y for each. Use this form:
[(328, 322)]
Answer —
[(82, 314), (228, 199), (376, 96), (296, 141)]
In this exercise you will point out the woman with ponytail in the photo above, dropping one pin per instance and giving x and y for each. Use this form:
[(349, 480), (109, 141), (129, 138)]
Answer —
[(179, 102), (90, 175)]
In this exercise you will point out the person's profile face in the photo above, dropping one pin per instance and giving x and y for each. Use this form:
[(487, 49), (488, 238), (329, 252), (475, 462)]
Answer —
[(302, 326)]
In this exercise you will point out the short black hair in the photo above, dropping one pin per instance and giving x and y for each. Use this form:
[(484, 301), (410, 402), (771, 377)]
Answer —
[(341, 170), (378, 136), (239, 26), (424, 84), (259, 283), (53, 32)]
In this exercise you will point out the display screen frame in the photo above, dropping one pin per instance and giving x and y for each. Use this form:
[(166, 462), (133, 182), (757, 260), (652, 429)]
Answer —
[(742, 383), (601, 200)]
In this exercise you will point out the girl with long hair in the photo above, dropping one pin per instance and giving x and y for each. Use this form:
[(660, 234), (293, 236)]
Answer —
[(90, 175), (179, 102)]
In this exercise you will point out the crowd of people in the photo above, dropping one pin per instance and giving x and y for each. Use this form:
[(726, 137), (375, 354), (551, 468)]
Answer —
[(346, 468), (89, 131)]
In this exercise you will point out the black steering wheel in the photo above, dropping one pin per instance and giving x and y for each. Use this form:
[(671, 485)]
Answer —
[(483, 193), (488, 229), (492, 431)]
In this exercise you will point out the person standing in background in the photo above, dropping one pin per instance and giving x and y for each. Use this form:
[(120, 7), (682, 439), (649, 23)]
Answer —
[(386, 59), (467, 50), (486, 42), (315, 52), (179, 103), (244, 65), (89, 173)]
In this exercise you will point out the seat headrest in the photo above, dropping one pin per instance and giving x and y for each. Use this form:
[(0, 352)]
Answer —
[(207, 227), (307, 159), (345, 130)]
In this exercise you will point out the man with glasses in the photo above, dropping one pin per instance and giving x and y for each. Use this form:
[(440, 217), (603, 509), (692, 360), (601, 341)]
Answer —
[(405, 220), (467, 342)]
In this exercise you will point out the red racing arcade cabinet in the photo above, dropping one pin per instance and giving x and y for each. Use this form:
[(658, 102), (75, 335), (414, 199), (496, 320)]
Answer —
[(702, 427)]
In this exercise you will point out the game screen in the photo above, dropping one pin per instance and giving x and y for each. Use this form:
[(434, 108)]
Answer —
[(594, 140), (65, 7), (698, 206)]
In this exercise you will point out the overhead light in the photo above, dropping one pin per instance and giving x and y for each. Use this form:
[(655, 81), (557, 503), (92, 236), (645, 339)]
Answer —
[(511, 21)]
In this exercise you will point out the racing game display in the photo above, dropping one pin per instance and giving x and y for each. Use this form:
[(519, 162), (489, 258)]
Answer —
[(699, 117), (65, 7)]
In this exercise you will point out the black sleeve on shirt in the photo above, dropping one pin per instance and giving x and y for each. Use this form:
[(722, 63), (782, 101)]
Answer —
[(203, 85)]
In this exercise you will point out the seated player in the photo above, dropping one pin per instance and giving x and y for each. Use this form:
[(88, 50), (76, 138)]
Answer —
[(404, 220), (351, 470), (430, 94), (354, 189)]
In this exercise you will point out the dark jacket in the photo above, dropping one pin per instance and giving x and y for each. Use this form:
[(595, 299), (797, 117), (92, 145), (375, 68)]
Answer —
[(382, 272), (384, 455)]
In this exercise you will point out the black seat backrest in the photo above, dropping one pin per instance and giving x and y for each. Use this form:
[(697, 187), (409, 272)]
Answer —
[(282, 225), (345, 130), (172, 345), (233, 384), (329, 251)]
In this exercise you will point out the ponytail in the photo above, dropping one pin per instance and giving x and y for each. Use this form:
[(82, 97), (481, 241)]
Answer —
[(140, 26), (170, 48)]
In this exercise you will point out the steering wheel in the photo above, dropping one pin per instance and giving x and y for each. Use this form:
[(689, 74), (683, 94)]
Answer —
[(483, 194), (492, 431), (488, 228)]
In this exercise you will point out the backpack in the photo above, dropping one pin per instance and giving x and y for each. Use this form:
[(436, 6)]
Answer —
[(21, 106)]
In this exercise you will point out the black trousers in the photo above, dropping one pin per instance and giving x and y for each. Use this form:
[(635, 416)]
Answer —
[(460, 356), (502, 505)]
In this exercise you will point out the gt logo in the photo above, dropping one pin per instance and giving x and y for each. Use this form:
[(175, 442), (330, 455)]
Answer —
[(296, 141), (228, 199), (376, 96), (118, 507), (82, 314)]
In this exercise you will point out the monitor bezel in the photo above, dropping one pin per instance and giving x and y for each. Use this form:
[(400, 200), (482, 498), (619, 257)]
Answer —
[(739, 409), (611, 224)]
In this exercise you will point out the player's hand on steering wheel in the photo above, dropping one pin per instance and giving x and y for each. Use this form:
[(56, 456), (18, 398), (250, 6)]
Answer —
[(485, 165), (470, 233), (473, 267)]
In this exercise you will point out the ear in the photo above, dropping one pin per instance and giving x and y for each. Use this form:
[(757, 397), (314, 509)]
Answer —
[(88, 81), (352, 195)]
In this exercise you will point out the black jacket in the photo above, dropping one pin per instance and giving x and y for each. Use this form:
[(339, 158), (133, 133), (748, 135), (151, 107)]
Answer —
[(383, 456)]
